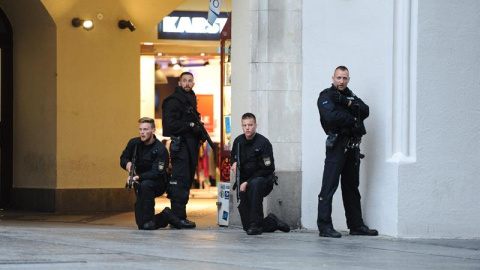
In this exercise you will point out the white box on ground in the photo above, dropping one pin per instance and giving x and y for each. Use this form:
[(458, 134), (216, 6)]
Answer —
[(223, 199)]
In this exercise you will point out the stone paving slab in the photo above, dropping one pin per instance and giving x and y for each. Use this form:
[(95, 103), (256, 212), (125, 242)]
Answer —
[(53, 245)]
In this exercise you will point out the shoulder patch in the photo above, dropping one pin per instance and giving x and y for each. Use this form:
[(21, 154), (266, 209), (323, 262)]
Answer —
[(161, 166), (267, 161), (325, 102)]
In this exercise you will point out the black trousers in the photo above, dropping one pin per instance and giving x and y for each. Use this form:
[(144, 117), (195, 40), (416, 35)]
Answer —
[(184, 164), (251, 205), (340, 161), (146, 191)]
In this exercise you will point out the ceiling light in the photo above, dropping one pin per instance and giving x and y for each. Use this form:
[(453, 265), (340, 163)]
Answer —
[(202, 54), (86, 24), (148, 43), (159, 54)]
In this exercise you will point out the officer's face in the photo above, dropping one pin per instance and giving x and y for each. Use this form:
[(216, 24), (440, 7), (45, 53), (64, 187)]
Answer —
[(146, 132), (340, 79), (249, 127), (186, 82)]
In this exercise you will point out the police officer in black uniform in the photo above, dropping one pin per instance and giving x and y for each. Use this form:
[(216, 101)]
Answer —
[(151, 178), (257, 177), (341, 115), (178, 122)]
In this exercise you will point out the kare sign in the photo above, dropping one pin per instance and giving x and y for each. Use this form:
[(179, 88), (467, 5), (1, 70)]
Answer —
[(191, 25)]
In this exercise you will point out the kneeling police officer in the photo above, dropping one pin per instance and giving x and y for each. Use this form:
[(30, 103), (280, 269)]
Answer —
[(257, 178), (151, 179)]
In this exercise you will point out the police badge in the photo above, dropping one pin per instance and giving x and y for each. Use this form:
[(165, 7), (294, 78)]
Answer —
[(267, 161), (161, 166)]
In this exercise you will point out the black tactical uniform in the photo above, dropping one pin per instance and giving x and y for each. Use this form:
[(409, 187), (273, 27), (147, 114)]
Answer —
[(150, 166), (257, 168), (339, 121), (178, 112)]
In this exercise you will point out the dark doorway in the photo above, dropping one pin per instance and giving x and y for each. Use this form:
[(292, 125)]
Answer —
[(6, 110)]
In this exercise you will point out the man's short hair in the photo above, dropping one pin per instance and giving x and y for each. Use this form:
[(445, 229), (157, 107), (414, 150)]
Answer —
[(184, 73), (342, 68), (249, 116), (147, 120)]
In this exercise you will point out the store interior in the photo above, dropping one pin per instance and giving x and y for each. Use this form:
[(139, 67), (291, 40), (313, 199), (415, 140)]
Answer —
[(167, 62), (161, 63), (187, 43)]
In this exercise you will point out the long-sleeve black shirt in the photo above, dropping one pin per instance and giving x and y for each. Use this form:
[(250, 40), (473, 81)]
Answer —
[(151, 162), (256, 157), (340, 118), (178, 110)]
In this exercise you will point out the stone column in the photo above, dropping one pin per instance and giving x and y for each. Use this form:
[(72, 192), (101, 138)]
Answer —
[(274, 39)]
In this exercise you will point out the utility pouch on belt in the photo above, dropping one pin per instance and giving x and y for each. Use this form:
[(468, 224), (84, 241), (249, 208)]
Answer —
[(273, 179), (331, 139), (175, 144)]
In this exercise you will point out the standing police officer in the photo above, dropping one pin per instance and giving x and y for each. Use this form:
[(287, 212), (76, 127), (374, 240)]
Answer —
[(339, 109), (151, 161), (178, 122), (256, 178)]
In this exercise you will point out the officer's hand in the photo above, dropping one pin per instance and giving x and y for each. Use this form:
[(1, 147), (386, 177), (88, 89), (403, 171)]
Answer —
[(135, 179), (340, 99), (128, 167), (197, 131), (243, 187)]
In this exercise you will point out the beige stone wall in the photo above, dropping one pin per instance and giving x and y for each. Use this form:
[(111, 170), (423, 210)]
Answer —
[(35, 94), (77, 92), (267, 81), (99, 86)]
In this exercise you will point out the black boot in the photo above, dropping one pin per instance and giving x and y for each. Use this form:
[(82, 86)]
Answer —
[(330, 232), (173, 220), (187, 224), (281, 225), (149, 225), (254, 230), (364, 230)]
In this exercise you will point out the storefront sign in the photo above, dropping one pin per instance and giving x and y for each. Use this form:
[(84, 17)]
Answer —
[(190, 25), (205, 108)]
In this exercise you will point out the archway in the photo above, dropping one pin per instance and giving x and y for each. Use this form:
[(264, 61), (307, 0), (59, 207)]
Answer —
[(6, 109)]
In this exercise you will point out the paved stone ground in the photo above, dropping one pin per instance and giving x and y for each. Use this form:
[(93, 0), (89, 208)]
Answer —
[(111, 241)]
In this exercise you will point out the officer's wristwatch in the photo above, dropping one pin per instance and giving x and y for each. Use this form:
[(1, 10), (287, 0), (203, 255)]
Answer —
[(192, 124)]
